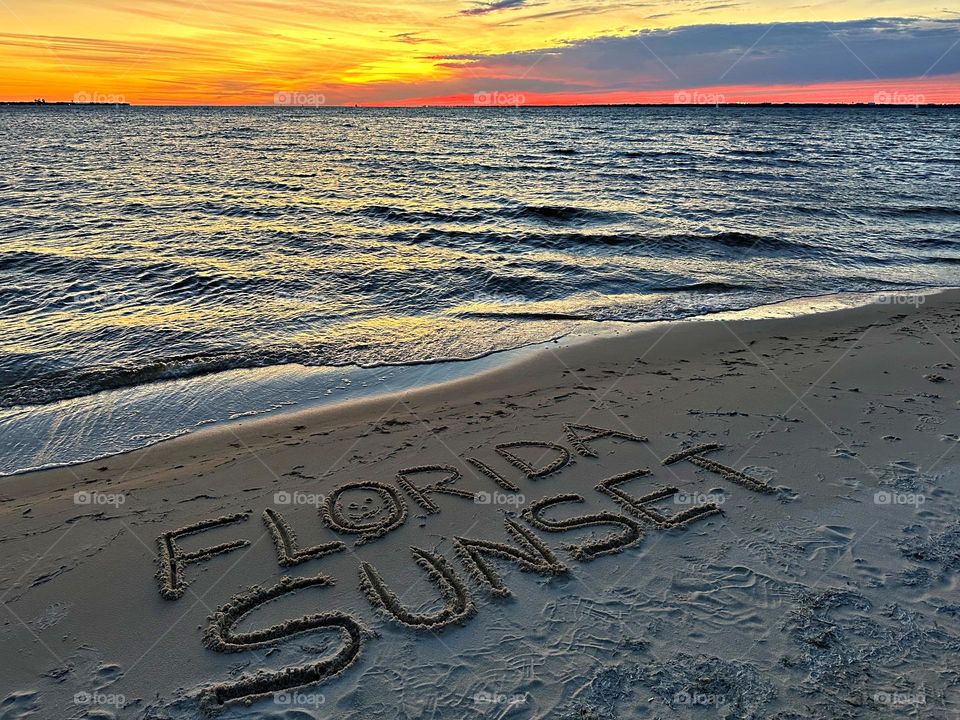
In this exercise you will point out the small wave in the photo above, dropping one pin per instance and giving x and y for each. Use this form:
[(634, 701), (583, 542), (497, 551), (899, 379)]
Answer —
[(520, 315), (234, 210), (815, 210), (913, 211), (15, 299), (929, 242), (927, 211), (198, 285), (28, 262), (710, 286), (559, 213), (396, 214), (738, 175), (12, 261), (66, 384), (737, 239), (139, 209), (215, 250), (621, 176), (268, 185), (705, 287), (497, 241), (543, 213), (235, 133), (758, 152), (668, 154)]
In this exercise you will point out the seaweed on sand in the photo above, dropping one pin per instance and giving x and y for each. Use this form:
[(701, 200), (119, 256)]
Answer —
[(937, 548), (845, 644), (724, 688)]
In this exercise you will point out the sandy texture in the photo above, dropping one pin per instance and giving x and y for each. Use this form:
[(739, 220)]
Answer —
[(752, 519)]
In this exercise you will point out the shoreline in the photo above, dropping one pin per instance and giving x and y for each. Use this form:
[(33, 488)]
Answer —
[(435, 373), (602, 343), (783, 496)]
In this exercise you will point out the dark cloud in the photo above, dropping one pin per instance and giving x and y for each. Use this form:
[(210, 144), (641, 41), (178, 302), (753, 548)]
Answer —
[(749, 54), (484, 8), (580, 11), (721, 6)]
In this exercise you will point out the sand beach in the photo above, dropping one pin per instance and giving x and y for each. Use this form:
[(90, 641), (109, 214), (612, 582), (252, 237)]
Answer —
[(730, 518)]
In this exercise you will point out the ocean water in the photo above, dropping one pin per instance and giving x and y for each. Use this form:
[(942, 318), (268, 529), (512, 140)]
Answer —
[(141, 245)]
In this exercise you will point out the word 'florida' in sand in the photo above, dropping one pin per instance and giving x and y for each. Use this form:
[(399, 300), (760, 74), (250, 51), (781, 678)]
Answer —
[(529, 552)]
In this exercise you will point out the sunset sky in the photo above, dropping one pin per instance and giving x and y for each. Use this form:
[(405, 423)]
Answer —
[(462, 52)]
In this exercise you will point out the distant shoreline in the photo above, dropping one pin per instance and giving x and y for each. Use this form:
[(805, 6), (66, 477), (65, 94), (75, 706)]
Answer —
[(33, 103), (883, 106)]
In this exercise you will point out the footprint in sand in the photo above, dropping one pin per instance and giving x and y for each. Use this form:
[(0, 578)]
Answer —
[(730, 596), (51, 615), (825, 543), (19, 705)]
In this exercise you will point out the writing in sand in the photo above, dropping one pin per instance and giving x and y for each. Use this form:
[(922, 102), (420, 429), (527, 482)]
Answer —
[(528, 551)]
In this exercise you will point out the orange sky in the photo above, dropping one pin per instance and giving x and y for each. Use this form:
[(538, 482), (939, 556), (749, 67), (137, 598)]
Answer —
[(498, 52)]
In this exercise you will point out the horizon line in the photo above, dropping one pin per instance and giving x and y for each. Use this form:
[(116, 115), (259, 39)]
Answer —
[(478, 106)]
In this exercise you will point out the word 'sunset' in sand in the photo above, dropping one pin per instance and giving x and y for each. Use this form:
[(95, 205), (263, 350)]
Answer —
[(528, 551)]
